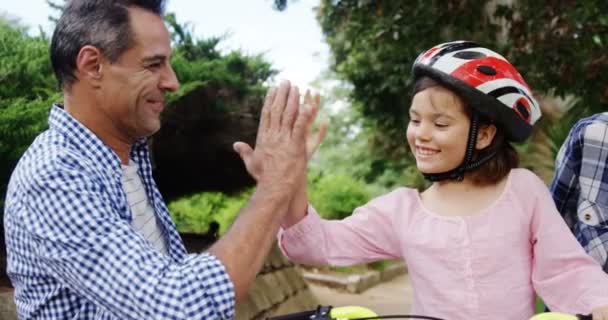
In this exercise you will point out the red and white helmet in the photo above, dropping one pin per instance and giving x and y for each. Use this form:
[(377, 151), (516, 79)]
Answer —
[(486, 81)]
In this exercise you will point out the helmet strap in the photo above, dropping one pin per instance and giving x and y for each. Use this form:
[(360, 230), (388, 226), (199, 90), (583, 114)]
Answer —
[(467, 164)]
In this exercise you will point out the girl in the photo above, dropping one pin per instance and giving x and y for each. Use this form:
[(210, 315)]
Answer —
[(485, 236)]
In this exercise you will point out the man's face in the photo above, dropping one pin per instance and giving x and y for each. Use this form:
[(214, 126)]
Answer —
[(133, 88)]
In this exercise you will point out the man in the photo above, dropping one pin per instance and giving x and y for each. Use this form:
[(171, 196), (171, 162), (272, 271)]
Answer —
[(580, 185), (88, 235)]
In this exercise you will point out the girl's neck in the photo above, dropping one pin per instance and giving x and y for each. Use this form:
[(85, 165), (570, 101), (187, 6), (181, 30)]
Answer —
[(448, 187), (461, 198)]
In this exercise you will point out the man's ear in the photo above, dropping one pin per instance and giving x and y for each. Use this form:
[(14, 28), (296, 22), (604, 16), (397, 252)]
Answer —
[(89, 67), (485, 135)]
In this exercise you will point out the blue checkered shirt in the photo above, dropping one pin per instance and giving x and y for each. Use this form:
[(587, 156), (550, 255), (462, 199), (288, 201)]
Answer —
[(72, 252), (580, 185)]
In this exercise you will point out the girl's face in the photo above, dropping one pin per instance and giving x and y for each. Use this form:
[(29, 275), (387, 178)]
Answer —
[(438, 130)]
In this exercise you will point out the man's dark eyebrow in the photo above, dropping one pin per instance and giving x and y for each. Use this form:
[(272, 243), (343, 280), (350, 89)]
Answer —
[(155, 58)]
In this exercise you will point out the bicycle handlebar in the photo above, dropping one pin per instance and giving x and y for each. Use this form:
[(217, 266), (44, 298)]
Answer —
[(361, 313), (560, 316), (295, 316)]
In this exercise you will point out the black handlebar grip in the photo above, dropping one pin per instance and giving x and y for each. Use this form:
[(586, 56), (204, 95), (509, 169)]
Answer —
[(304, 315), (584, 317)]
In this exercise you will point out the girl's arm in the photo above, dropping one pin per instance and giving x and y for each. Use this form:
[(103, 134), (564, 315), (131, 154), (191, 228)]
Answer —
[(565, 277), (297, 207), (367, 235)]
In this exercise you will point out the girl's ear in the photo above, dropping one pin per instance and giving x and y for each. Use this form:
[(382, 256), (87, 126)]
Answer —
[(486, 134)]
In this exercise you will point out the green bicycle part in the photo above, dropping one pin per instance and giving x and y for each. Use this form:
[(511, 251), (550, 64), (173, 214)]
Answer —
[(554, 316), (348, 312)]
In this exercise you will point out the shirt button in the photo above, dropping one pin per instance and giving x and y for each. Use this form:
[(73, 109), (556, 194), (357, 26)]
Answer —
[(587, 216)]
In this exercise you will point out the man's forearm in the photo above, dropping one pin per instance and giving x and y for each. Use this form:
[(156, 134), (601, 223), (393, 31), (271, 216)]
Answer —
[(244, 248)]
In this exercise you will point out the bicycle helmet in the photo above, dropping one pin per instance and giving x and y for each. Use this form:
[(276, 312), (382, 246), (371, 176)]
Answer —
[(489, 85), (486, 81)]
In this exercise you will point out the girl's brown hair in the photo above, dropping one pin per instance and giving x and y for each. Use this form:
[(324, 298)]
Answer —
[(506, 158)]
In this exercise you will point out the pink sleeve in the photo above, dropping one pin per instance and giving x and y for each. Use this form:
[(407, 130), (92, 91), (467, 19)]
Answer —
[(563, 275), (367, 235)]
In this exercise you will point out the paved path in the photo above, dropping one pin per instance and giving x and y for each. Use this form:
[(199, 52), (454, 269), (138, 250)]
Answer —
[(392, 297)]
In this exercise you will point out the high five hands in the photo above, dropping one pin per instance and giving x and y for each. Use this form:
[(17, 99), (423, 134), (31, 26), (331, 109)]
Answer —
[(285, 140)]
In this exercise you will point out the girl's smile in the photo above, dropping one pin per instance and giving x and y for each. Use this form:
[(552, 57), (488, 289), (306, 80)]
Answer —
[(438, 130)]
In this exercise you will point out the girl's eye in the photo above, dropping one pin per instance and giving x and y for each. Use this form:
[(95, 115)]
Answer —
[(415, 121), (441, 125)]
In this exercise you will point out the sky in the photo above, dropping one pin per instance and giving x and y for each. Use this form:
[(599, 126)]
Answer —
[(291, 40)]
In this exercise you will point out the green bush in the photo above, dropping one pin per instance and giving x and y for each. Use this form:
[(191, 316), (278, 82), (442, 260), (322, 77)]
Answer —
[(21, 120), (194, 213), (381, 265), (25, 68), (335, 196)]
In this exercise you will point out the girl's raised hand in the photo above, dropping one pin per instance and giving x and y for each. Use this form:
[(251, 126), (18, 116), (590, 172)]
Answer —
[(313, 140)]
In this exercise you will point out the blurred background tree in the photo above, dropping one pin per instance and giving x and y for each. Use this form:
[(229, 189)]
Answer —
[(218, 103), (27, 89), (560, 47)]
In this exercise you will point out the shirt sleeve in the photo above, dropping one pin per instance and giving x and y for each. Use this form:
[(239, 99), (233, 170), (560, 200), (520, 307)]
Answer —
[(85, 245), (593, 176), (580, 188), (594, 162), (565, 277), (565, 182), (367, 235)]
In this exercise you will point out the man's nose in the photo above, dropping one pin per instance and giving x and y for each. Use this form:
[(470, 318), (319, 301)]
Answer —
[(168, 81)]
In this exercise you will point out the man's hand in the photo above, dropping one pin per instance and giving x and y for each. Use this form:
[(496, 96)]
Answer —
[(299, 203), (254, 161), (278, 163)]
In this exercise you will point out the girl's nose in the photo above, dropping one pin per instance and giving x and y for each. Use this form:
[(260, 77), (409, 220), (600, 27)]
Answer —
[(423, 132)]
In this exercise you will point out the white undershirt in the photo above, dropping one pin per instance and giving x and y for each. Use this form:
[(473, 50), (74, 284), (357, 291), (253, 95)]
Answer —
[(144, 220)]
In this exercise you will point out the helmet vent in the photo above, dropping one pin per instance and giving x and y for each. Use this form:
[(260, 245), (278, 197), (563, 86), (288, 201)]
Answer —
[(487, 70), (523, 110), (469, 55)]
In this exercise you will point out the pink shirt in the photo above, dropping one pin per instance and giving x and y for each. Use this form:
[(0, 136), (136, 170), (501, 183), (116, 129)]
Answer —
[(485, 266)]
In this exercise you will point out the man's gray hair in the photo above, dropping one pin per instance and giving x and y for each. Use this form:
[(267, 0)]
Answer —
[(103, 24)]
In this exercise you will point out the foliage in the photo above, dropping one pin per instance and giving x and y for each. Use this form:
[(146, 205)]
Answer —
[(194, 214), (200, 61), (28, 87), (381, 265), (348, 148), (335, 196), (374, 44), (569, 36), (25, 71), (27, 90)]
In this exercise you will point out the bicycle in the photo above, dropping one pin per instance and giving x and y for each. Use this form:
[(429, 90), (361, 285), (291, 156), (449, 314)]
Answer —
[(361, 313)]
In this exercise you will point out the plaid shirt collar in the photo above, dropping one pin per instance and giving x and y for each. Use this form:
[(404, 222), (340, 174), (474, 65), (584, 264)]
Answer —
[(66, 125), (92, 147)]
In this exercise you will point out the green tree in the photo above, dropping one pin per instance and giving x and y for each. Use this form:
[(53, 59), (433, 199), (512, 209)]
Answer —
[(25, 71), (196, 212), (349, 148), (560, 47), (27, 89)]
